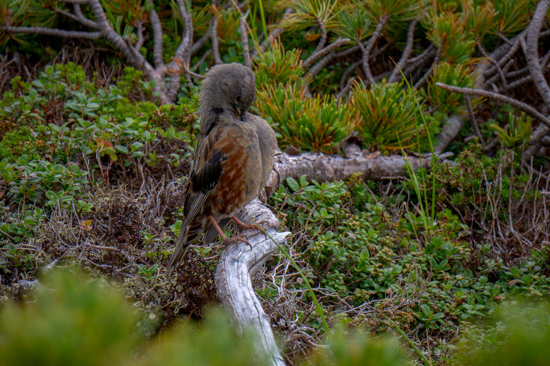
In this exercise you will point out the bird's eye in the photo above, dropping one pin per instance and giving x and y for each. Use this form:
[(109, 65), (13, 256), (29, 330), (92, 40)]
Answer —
[(238, 98)]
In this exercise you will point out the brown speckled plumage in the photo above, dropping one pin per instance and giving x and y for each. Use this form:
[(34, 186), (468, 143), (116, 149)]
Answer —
[(234, 151)]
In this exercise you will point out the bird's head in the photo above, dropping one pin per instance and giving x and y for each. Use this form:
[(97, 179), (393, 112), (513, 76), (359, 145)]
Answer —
[(228, 88)]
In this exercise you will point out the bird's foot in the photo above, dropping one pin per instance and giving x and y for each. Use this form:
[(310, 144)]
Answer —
[(235, 239), (242, 226)]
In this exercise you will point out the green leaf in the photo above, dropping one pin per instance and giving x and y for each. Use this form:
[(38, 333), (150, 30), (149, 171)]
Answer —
[(293, 184)]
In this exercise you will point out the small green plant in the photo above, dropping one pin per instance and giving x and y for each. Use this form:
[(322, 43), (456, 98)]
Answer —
[(359, 348), (448, 31), (314, 124), (73, 321), (516, 133), (278, 66), (519, 335), (445, 102), (388, 116)]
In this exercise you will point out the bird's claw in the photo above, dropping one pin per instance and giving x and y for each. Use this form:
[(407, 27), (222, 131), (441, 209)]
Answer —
[(235, 240)]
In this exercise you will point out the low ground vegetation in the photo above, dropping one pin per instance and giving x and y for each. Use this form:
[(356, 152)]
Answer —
[(453, 261)]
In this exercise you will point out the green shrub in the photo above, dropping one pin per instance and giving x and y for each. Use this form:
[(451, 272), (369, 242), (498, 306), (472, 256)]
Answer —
[(359, 348), (278, 67), (312, 124), (443, 101), (519, 335), (72, 322), (389, 117)]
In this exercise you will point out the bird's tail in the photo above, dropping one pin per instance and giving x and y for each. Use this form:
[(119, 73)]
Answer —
[(190, 230), (181, 247)]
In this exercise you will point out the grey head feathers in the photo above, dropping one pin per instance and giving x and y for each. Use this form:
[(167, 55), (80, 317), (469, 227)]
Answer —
[(228, 88)]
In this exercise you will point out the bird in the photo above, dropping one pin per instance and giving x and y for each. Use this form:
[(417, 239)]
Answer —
[(229, 163), (268, 145)]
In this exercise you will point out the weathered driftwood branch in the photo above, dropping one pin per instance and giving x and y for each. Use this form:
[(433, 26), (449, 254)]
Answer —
[(323, 168), (234, 278)]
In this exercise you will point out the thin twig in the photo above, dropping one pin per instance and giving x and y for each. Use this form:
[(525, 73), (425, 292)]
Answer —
[(73, 16), (157, 35), (319, 66), (473, 119), (82, 19), (511, 52), (316, 56), (347, 88), (347, 74), (419, 61), (347, 52), (203, 58), (244, 41), (503, 98), (50, 32), (215, 46), (501, 36), (396, 73), (495, 64), (370, 44), (201, 41), (424, 78), (140, 40), (323, 39)]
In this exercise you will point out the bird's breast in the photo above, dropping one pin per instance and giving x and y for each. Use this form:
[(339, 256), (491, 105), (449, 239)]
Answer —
[(241, 173)]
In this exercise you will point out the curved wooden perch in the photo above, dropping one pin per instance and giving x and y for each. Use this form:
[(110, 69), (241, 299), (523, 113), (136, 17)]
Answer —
[(234, 278)]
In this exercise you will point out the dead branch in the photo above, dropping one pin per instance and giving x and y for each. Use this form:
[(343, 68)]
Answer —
[(325, 168), (368, 47), (215, 46), (82, 19), (532, 53), (425, 77), (537, 135), (450, 129), (201, 41), (51, 32), (244, 41), (317, 55), (503, 98), (473, 119), (185, 48), (493, 62), (347, 73), (323, 39), (234, 278), (157, 35), (396, 73)]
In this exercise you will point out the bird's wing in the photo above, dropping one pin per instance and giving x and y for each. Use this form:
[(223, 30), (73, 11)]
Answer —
[(207, 170)]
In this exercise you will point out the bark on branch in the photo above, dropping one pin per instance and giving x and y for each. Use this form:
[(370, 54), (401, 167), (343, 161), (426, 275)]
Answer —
[(323, 168)]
